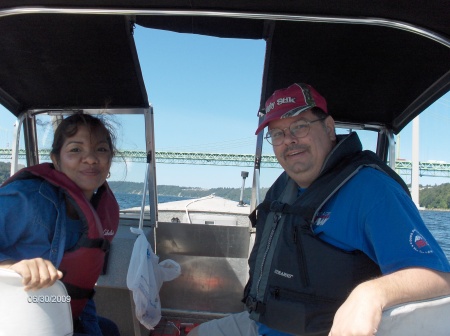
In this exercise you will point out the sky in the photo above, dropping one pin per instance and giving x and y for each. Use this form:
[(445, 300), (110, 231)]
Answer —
[(205, 93)]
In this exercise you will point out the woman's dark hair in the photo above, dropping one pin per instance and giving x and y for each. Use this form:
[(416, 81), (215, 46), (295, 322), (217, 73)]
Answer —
[(69, 127)]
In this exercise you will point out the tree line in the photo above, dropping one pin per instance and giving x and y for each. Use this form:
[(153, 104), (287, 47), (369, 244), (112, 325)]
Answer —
[(5, 169), (233, 194), (437, 197), (430, 197)]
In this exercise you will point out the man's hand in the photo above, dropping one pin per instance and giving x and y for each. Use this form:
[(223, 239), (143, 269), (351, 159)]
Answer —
[(36, 273), (360, 314)]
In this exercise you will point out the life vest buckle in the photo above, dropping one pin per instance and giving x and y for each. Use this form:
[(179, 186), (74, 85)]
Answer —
[(255, 305), (277, 206), (106, 245)]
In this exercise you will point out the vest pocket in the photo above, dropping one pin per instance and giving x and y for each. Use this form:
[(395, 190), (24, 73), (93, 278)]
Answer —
[(284, 315), (298, 313)]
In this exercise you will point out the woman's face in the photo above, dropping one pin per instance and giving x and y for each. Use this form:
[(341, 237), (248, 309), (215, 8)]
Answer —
[(86, 159)]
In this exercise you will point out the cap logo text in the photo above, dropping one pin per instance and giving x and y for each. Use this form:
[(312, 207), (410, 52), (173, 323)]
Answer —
[(285, 100), (280, 101), (270, 107)]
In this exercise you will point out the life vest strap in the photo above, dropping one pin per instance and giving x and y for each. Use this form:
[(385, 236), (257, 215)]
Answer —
[(100, 243)]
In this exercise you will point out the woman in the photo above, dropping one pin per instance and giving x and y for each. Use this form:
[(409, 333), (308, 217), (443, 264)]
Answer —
[(54, 215)]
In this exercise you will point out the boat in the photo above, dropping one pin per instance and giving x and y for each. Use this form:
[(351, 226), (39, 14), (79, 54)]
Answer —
[(209, 210), (380, 64)]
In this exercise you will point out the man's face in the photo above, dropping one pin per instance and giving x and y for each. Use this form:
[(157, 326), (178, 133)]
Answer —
[(302, 158)]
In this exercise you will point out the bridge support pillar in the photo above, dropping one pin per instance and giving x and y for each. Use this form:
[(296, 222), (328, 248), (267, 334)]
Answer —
[(415, 162)]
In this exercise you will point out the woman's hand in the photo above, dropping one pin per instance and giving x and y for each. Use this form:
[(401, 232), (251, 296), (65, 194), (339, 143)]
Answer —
[(36, 273)]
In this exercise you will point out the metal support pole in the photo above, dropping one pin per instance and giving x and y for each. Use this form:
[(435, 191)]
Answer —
[(244, 175)]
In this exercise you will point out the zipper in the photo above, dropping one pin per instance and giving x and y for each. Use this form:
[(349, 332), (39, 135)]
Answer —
[(281, 293), (276, 220), (297, 238)]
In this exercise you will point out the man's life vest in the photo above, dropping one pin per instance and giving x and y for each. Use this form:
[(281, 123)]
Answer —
[(82, 264), (297, 281)]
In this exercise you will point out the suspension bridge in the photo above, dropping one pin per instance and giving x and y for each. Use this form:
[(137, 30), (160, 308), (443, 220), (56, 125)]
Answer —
[(430, 168)]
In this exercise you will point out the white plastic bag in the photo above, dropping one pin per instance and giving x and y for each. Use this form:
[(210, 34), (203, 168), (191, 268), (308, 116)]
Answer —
[(145, 278)]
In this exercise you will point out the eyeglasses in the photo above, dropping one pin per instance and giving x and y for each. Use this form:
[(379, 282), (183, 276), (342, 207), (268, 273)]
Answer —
[(298, 129)]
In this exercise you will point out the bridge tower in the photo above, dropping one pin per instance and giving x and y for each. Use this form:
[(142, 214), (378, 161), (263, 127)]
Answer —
[(415, 162)]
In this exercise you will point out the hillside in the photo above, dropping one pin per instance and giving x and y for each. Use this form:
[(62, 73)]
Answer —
[(431, 197), (164, 190), (170, 190), (5, 169), (437, 197)]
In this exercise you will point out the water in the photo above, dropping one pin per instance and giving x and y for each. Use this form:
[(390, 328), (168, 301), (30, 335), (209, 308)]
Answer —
[(438, 222), (132, 200)]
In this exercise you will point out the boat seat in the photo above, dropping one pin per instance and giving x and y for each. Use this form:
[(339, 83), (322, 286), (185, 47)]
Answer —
[(22, 313), (427, 317)]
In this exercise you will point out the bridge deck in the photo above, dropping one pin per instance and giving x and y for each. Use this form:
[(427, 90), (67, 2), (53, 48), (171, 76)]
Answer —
[(435, 168)]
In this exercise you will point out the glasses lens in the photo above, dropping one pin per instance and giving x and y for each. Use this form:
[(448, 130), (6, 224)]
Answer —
[(275, 137), (299, 128)]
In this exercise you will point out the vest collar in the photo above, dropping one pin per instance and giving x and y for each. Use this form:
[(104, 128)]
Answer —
[(346, 145)]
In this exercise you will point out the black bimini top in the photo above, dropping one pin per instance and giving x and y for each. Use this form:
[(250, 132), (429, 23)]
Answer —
[(379, 62), (64, 61)]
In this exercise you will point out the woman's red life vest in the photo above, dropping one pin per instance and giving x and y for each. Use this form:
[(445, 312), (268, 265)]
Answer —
[(83, 264)]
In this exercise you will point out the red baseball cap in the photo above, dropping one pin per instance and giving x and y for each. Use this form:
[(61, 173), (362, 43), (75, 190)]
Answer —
[(290, 102)]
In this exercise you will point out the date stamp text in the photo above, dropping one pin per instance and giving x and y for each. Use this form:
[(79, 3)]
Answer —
[(48, 299)]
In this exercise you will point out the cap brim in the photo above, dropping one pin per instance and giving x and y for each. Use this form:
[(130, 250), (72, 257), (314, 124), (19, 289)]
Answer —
[(261, 127), (282, 114)]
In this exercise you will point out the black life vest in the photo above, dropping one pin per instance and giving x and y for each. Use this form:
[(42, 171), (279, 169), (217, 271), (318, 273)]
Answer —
[(297, 281), (83, 264)]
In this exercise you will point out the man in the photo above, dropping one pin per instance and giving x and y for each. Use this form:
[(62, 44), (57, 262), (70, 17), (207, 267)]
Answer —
[(338, 238)]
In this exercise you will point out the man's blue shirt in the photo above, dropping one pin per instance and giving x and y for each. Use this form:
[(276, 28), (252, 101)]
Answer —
[(372, 213)]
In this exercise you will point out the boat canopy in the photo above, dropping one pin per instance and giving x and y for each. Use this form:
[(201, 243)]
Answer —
[(377, 62), (69, 61)]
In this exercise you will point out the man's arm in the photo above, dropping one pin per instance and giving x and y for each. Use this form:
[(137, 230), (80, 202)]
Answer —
[(361, 313)]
